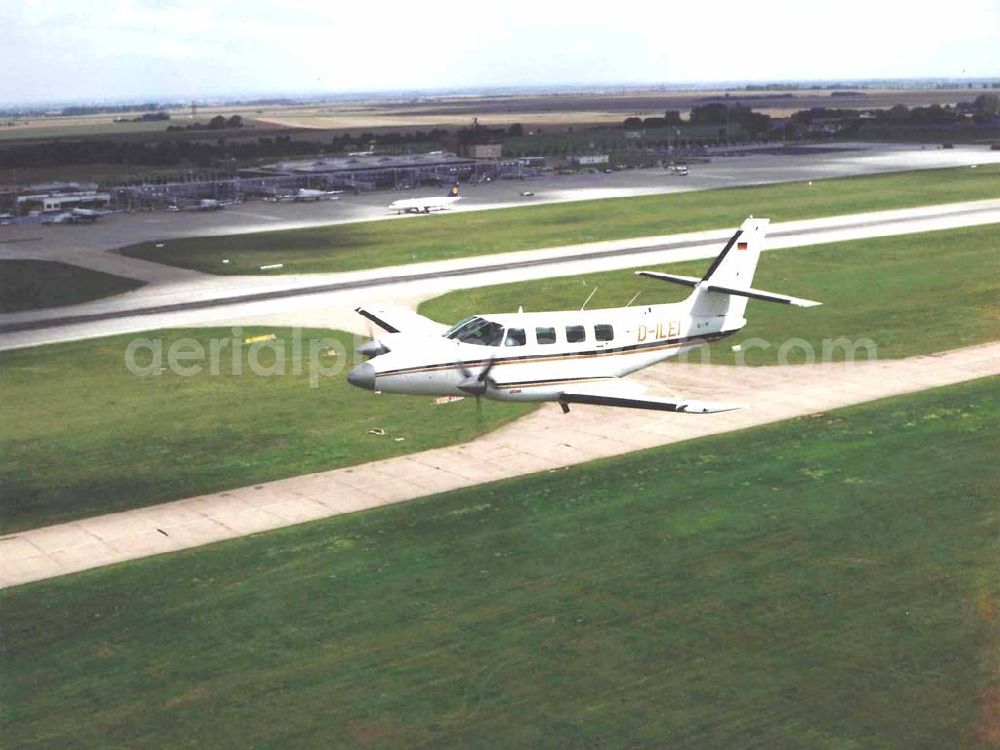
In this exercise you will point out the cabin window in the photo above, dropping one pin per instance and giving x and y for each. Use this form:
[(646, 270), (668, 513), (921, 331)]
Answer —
[(515, 337), (545, 335), (477, 331), (604, 332), (575, 334)]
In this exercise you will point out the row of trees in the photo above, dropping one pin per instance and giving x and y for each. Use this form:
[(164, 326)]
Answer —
[(100, 109), (163, 153), (985, 109), (216, 123), (713, 113), (670, 118), (190, 151)]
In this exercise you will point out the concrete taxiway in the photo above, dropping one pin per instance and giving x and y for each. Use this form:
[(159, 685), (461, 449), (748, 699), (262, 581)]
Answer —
[(545, 440)]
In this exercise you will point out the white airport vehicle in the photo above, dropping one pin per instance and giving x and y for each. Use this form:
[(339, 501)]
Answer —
[(305, 194), (206, 204), (569, 356), (426, 205), (76, 216), (680, 169), (84, 216)]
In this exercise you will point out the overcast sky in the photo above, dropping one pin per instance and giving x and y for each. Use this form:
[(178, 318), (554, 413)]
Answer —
[(126, 49)]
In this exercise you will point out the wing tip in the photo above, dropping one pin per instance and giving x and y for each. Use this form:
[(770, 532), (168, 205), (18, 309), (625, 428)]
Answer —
[(705, 407)]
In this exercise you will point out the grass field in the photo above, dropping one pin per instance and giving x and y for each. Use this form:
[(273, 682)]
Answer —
[(33, 284), (827, 582), (107, 440), (911, 294), (345, 247), (82, 435)]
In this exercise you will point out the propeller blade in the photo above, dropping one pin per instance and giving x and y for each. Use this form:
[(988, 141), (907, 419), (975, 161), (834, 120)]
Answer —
[(485, 374), (473, 386), (477, 385), (466, 372), (373, 347)]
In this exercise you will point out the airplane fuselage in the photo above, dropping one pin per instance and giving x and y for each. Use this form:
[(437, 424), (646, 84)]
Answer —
[(422, 205), (535, 356)]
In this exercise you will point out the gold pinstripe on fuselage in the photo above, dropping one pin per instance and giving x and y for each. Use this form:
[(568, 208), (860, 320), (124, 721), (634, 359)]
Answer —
[(564, 357)]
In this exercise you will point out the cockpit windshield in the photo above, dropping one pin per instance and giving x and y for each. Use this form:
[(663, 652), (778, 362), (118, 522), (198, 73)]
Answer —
[(450, 333), (476, 331)]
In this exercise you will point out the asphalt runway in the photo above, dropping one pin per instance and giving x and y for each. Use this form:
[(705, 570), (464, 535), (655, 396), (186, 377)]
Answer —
[(328, 300)]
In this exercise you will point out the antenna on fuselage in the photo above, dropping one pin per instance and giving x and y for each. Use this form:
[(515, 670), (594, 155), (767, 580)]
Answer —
[(590, 297), (634, 298)]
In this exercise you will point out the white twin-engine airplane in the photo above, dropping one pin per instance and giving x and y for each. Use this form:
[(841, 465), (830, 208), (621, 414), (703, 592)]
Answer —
[(571, 357), (426, 205)]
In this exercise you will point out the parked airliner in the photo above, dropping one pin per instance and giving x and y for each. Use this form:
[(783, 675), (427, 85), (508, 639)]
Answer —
[(428, 204)]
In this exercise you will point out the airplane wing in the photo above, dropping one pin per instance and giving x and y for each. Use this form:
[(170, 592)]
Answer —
[(393, 319), (632, 395)]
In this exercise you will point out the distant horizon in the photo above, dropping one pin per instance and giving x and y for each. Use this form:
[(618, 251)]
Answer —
[(317, 96), (63, 51)]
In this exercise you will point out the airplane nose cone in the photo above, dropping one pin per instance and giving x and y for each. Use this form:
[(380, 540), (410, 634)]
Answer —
[(362, 376)]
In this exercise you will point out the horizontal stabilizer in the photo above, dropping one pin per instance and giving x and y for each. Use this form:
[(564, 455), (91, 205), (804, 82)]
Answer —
[(631, 395), (738, 291), (673, 278), (763, 296)]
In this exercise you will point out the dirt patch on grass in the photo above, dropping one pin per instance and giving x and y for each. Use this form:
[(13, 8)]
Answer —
[(193, 695), (987, 727), (369, 732)]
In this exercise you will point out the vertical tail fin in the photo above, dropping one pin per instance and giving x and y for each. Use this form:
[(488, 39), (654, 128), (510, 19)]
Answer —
[(737, 262), (734, 267)]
